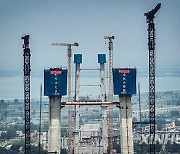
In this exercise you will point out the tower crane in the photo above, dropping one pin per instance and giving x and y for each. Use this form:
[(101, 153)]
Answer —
[(150, 15), (110, 132), (27, 69), (69, 57)]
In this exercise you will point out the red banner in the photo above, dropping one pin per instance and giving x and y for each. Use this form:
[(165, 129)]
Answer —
[(56, 71), (124, 71)]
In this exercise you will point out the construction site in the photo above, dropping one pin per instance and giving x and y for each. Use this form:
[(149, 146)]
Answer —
[(92, 138), (89, 77)]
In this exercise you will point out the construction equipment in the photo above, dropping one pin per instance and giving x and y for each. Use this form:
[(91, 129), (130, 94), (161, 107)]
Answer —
[(27, 70), (69, 56), (110, 132), (150, 15)]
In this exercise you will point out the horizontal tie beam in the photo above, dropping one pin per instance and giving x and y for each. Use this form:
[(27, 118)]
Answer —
[(90, 103)]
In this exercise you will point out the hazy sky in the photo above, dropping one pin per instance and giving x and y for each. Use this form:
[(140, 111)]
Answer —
[(86, 22)]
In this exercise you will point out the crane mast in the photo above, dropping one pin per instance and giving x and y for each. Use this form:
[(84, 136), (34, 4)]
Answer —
[(110, 38), (150, 15), (69, 57), (27, 69)]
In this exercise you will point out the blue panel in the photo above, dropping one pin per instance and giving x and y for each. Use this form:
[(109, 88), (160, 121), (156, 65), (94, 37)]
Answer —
[(101, 58), (55, 82), (78, 58), (124, 80)]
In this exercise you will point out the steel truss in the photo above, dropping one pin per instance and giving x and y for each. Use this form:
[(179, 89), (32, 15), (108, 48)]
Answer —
[(27, 70), (150, 15)]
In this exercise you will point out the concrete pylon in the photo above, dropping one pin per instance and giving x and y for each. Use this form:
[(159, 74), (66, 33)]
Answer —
[(126, 132), (77, 93), (54, 130), (104, 129), (104, 109)]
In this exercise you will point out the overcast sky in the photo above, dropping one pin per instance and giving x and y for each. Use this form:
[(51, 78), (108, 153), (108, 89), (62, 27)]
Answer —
[(87, 22)]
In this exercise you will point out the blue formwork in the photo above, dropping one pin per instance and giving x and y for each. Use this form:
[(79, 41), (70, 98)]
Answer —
[(124, 81), (101, 58), (77, 58), (55, 82)]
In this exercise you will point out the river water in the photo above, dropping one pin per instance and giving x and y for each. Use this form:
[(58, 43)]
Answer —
[(12, 87)]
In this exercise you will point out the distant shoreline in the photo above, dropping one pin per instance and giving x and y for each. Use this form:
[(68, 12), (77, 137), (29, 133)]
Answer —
[(140, 73), (45, 98)]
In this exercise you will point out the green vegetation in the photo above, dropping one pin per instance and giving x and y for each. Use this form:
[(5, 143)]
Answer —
[(144, 148), (175, 114), (4, 151), (12, 120), (18, 148)]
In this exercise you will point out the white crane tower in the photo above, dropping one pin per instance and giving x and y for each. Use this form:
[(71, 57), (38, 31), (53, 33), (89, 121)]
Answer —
[(110, 38), (69, 57)]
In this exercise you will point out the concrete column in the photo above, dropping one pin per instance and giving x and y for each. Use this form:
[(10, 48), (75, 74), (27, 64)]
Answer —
[(104, 110), (126, 133), (104, 129), (77, 93), (130, 127), (54, 130)]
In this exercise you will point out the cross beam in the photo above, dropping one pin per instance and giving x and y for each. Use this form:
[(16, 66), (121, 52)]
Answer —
[(90, 103)]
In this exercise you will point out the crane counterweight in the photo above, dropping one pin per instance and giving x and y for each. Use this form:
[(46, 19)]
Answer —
[(150, 14)]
